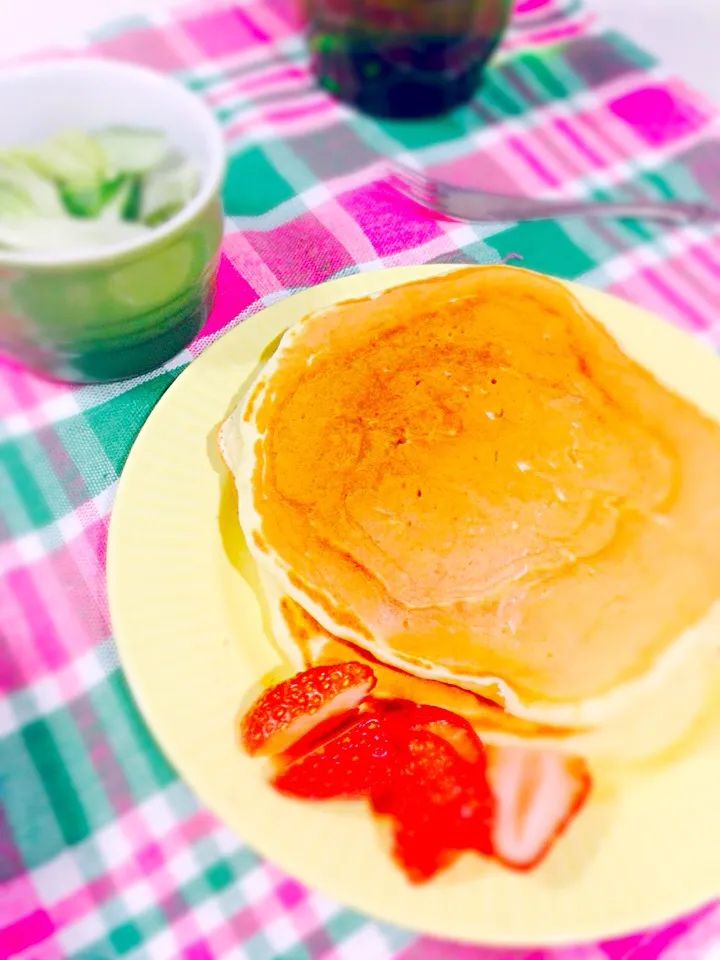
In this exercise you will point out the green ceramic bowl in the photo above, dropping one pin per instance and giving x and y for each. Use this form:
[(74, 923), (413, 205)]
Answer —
[(119, 311)]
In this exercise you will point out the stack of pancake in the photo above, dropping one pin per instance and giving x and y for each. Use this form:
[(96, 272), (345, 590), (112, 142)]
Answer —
[(465, 482)]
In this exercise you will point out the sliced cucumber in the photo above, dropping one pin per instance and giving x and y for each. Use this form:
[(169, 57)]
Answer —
[(88, 200), (71, 157), (123, 203), (14, 203), (31, 189), (167, 190), (76, 191), (132, 151), (70, 235)]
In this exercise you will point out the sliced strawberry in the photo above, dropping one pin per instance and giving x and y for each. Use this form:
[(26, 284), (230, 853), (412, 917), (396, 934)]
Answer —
[(438, 803), (451, 727), (317, 736), (290, 710), (347, 766), (419, 853), (537, 793)]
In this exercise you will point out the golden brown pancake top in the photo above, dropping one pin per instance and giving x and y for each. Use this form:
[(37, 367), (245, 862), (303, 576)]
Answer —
[(470, 474)]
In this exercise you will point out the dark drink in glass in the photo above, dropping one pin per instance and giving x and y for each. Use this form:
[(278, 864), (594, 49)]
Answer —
[(403, 58)]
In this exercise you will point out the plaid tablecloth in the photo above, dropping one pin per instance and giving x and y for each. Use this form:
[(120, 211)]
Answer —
[(104, 852)]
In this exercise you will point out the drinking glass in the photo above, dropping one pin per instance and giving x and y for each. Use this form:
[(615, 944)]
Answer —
[(403, 58)]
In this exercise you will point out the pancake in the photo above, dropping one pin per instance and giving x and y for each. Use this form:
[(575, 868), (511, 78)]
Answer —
[(468, 480), (651, 723), (316, 646)]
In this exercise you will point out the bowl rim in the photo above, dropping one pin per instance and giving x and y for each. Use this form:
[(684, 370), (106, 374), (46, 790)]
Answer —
[(202, 118)]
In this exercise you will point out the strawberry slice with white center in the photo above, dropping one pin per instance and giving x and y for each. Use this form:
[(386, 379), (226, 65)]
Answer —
[(537, 793), (345, 767), (290, 710)]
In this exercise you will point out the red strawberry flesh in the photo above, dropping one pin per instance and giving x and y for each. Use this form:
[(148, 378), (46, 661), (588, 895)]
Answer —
[(418, 854), (288, 711), (438, 803), (451, 727), (347, 766)]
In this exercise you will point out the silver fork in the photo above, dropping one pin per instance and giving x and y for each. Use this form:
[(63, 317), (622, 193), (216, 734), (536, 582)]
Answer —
[(463, 203)]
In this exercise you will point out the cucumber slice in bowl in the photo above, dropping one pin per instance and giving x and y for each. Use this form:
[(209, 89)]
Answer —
[(116, 199), (31, 190), (14, 203), (88, 201), (167, 190), (71, 157), (132, 151), (124, 202)]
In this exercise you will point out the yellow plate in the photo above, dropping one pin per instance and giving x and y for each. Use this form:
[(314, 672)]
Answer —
[(191, 636)]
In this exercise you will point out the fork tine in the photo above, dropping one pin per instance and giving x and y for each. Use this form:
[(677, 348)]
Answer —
[(408, 173), (404, 184), (417, 179), (417, 195), (416, 186), (426, 182)]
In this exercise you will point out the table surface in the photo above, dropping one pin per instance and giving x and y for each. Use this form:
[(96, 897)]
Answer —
[(109, 853), (684, 34)]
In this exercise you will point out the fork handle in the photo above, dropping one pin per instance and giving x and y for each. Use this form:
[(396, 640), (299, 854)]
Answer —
[(497, 207)]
